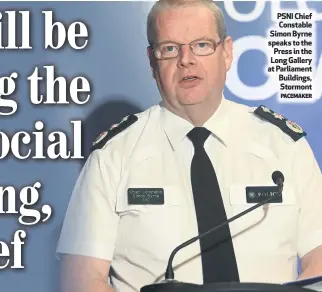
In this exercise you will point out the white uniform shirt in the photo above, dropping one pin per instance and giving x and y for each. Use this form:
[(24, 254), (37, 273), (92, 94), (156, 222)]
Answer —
[(154, 152)]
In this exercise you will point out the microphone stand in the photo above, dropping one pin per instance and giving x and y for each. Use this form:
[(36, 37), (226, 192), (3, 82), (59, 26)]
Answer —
[(169, 275), (171, 285)]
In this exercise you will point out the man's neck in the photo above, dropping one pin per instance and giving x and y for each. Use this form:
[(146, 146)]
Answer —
[(196, 114)]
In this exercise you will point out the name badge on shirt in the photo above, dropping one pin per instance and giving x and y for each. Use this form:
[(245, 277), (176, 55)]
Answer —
[(145, 196), (260, 194)]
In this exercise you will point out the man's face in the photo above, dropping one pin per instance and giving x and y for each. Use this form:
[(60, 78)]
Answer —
[(184, 25)]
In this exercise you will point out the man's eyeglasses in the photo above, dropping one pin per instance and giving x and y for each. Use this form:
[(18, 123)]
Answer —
[(199, 47)]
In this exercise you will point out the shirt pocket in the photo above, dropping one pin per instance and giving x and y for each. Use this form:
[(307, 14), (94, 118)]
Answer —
[(270, 225), (151, 231)]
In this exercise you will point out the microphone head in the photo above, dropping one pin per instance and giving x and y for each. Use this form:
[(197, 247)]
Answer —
[(277, 177)]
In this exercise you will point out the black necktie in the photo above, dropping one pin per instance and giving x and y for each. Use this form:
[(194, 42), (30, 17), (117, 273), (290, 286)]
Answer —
[(217, 252)]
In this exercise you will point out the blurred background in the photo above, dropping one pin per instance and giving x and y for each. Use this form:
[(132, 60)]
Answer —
[(116, 65)]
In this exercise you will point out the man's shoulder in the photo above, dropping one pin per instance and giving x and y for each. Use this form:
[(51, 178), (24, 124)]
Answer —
[(129, 127), (263, 120)]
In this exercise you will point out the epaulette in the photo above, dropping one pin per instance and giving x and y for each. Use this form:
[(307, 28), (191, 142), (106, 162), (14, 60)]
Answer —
[(290, 128), (102, 138)]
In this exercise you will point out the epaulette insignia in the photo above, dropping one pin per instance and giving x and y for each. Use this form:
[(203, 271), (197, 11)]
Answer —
[(287, 126), (113, 131)]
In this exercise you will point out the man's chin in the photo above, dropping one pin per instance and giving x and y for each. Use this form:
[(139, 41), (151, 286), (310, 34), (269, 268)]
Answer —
[(191, 100)]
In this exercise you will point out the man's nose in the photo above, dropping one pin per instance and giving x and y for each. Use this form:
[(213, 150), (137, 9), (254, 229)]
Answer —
[(186, 56)]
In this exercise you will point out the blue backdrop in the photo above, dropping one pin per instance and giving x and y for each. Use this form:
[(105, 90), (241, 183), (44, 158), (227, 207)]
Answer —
[(116, 64)]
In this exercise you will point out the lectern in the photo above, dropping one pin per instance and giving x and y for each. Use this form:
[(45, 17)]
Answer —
[(175, 286)]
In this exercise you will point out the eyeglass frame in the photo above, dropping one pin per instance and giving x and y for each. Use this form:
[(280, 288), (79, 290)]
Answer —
[(216, 44)]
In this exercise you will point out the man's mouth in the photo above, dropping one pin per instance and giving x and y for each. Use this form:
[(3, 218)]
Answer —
[(190, 78)]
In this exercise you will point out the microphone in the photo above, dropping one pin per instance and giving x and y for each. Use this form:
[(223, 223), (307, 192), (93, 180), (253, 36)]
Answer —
[(278, 179)]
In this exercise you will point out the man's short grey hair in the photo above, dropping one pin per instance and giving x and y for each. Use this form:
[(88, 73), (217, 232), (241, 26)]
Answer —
[(166, 4)]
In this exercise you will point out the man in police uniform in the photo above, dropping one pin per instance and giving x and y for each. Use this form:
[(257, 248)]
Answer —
[(136, 197)]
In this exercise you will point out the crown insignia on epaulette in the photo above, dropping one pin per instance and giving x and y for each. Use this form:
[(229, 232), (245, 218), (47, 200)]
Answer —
[(100, 137)]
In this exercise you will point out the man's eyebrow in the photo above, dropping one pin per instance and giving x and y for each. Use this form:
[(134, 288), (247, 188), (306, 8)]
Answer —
[(166, 41), (174, 42)]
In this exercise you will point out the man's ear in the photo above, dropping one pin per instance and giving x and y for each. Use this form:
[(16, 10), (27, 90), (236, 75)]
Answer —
[(228, 52), (151, 60)]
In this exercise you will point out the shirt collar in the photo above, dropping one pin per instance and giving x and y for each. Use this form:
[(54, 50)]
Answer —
[(177, 128)]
